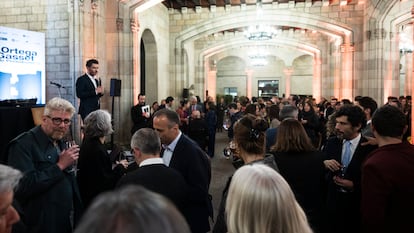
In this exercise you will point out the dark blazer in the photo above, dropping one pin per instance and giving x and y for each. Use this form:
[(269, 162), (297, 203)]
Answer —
[(138, 119), (305, 174), (198, 131), (95, 173), (343, 209), (194, 164), (85, 91), (46, 194), (160, 179)]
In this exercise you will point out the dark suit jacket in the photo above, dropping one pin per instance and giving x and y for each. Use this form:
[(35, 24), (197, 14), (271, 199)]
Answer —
[(194, 165), (95, 173), (198, 131), (160, 179), (343, 209), (138, 119), (85, 91)]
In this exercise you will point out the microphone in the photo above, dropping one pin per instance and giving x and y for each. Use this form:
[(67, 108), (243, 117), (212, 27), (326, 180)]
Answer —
[(99, 82), (57, 84)]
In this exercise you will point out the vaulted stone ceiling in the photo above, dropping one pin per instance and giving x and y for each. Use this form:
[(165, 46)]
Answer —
[(177, 4)]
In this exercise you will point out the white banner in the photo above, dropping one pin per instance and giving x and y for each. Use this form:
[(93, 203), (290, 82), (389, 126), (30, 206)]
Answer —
[(22, 65)]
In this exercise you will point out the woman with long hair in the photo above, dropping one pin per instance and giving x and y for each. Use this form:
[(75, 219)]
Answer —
[(302, 167), (260, 200)]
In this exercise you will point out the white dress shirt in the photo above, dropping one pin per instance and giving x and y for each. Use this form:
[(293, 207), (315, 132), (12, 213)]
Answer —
[(169, 149)]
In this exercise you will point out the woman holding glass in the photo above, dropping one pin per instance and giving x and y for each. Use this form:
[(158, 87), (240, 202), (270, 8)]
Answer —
[(249, 143), (96, 172)]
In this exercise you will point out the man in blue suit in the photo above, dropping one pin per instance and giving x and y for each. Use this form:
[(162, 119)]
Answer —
[(185, 156), (344, 158), (89, 89)]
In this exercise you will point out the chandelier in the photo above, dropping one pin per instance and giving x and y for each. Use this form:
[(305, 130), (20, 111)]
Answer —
[(259, 33)]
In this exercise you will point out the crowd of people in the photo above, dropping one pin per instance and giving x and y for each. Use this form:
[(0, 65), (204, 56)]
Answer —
[(331, 167)]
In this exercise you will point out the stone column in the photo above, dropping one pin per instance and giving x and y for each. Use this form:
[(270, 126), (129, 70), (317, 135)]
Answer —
[(249, 76), (347, 55), (134, 24), (288, 74)]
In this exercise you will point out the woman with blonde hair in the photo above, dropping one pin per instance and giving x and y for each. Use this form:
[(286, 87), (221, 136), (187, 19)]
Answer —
[(260, 200)]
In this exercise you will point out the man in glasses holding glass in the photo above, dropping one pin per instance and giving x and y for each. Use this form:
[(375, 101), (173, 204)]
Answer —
[(47, 193)]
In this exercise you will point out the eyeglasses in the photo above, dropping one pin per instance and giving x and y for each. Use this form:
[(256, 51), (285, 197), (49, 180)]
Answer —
[(58, 121)]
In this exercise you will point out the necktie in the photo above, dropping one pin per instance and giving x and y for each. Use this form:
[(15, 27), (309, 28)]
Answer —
[(346, 157)]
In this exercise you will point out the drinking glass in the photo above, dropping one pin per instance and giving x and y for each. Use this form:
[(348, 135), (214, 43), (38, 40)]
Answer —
[(226, 123), (341, 174), (74, 167)]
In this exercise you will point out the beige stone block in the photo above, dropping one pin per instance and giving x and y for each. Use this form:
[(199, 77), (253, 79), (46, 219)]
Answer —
[(21, 19), (175, 29), (333, 15), (35, 26), (19, 3), (179, 22), (11, 19), (62, 42), (41, 17), (61, 24), (15, 11), (325, 9), (344, 14), (52, 67), (5, 12), (6, 4), (52, 51), (38, 10)]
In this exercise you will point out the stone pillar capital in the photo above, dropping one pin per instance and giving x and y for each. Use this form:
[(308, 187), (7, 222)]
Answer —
[(288, 70), (134, 24)]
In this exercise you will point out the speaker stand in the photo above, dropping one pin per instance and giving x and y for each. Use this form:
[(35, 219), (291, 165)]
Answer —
[(112, 122)]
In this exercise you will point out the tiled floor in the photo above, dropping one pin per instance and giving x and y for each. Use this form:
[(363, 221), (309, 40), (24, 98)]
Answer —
[(221, 169)]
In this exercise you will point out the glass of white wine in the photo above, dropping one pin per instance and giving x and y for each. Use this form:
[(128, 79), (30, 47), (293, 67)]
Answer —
[(74, 167)]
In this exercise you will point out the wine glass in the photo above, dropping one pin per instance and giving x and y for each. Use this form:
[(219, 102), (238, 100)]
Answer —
[(74, 167), (226, 123), (341, 174)]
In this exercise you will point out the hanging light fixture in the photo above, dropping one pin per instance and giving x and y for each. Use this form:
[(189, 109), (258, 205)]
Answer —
[(259, 33)]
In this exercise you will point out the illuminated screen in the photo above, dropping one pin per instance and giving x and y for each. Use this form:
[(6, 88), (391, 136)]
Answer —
[(22, 65)]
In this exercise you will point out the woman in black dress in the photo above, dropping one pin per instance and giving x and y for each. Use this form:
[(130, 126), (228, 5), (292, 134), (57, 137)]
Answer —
[(96, 172)]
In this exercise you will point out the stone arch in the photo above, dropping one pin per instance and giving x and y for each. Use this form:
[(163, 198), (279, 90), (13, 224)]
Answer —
[(337, 31), (298, 49), (389, 18), (151, 69)]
